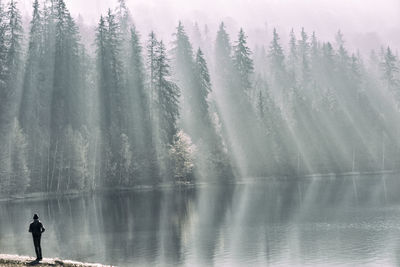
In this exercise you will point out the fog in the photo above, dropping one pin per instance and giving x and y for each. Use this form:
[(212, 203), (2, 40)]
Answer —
[(202, 132), (366, 24), (122, 94)]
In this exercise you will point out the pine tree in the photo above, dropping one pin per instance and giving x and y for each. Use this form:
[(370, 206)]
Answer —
[(113, 44), (223, 60), (168, 97), (62, 90), (14, 40), (243, 62), (66, 98), (142, 121), (303, 45), (116, 98), (204, 88), (190, 74), (304, 57), (119, 100), (124, 19), (314, 47), (212, 157), (293, 55), (278, 70), (104, 84), (137, 79), (183, 53), (13, 61), (390, 69), (183, 65), (30, 93), (276, 54), (343, 58), (31, 101), (10, 91), (3, 52), (328, 60), (151, 47), (102, 59)]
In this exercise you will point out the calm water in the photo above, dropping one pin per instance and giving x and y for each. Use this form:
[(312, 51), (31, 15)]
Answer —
[(315, 222)]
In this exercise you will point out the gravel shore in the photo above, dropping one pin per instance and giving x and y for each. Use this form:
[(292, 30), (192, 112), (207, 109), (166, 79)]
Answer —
[(16, 260)]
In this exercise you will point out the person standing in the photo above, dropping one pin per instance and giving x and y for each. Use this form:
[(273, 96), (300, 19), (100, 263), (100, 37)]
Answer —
[(36, 228)]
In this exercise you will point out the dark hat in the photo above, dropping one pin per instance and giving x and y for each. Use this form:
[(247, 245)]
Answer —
[(35, 217)]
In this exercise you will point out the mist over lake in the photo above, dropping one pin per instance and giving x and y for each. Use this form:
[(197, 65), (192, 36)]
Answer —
[(192, 133)]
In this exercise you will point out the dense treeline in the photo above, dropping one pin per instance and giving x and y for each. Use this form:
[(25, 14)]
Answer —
[(137, 112)]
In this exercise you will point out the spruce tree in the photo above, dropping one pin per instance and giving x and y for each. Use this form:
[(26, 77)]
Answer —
[(31, 101), (3, 53), (142, 127), (14, 40), (390, 69), (278, 72), (204, 88), (66, 91), (115, 109), (304, 57), (223, 60), (213, 160), (293, 57), (168, 97), (277, 58), (105, 119), (13, 62), (243, 62), (10, 93), (151, 48), (136, 73), (124, 19), (30, 93), (183, 65)]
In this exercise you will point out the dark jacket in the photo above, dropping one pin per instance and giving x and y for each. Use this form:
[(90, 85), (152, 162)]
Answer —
[(36, 228)]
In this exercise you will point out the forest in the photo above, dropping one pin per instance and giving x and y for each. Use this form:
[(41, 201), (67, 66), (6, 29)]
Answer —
[(205, 108)]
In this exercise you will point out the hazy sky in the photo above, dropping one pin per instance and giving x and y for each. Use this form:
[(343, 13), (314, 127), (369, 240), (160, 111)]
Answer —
[(365, 23)]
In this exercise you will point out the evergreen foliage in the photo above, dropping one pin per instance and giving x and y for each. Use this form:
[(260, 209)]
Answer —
[(243, 62), (128, 115)]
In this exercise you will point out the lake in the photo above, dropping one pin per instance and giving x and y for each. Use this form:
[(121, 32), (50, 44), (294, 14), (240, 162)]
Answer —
[(317, 221)]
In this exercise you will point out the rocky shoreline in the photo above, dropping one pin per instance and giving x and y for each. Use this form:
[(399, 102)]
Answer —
[(16, 260)]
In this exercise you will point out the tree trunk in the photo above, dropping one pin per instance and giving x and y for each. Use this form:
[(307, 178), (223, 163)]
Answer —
[(54, 165)]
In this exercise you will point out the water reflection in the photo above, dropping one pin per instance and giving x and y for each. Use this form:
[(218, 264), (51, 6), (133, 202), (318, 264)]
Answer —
[(320, 221)]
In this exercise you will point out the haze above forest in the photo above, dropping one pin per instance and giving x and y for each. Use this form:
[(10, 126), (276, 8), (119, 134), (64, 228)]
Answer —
[(366, 24)]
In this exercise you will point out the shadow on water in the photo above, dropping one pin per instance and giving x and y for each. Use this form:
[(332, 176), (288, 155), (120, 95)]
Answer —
[(348, 220)]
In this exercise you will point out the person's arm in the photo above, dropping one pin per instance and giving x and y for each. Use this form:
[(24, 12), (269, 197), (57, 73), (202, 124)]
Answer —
[(42, 228), (30, 228)]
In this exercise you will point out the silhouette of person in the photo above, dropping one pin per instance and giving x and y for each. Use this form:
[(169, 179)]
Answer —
[(36, 228)]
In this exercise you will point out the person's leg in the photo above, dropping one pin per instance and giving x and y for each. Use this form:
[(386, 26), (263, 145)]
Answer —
[(35, 243), (40, 248)]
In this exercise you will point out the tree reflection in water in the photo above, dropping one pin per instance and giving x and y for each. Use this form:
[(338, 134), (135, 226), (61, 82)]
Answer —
[(311, 221)]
